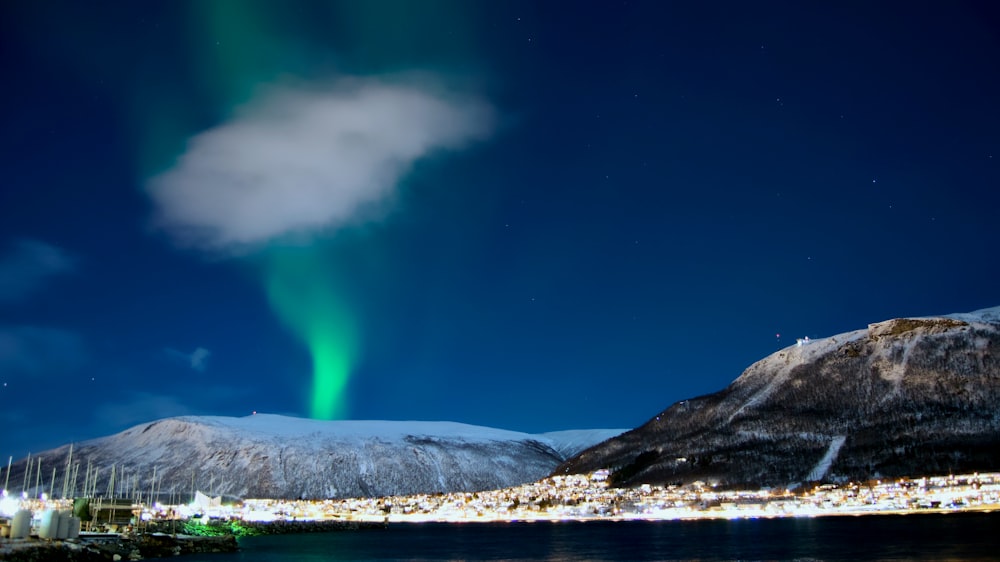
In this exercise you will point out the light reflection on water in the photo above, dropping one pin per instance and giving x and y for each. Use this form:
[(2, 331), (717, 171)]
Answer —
[(969, 536)]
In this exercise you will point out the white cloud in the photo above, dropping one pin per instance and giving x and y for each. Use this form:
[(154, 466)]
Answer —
[(34, 350), (27, 265), (306, 160), (197, 359)]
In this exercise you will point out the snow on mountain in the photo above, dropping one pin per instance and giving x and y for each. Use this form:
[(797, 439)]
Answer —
[(985, 315), (823, 466), (284, 427), (274, 456), (571, 442), (901, 397)]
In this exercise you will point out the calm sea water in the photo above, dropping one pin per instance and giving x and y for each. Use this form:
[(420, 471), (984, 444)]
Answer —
[(964, 536)]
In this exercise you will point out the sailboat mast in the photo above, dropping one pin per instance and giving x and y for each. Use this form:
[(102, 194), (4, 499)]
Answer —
[(93, 482), (38, 475), (66, 473), (27, 471), (72, 484), (111, 482)]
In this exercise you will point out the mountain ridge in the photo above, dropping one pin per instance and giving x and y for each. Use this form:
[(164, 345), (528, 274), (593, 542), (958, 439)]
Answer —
[(902, 396), (269, 455)]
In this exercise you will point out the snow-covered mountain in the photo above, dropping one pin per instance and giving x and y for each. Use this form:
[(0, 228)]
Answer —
[(285, 457), (907, 396)]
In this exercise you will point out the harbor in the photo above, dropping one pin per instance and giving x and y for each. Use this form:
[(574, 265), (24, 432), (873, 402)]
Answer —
[(132, 522)]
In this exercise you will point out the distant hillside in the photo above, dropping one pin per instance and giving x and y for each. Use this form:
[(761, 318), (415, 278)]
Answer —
[(903, 397), (269, 456)]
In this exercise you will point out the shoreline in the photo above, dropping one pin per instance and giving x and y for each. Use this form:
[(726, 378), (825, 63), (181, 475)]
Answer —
[(694, 515), (162, 545), (157, 543), (99, 549)]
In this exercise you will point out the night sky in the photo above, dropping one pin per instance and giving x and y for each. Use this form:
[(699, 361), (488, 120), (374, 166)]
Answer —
[(527, 215)]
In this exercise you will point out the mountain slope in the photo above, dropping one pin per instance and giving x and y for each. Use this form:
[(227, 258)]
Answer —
[(571, 442), (902, 397), (283, 457)]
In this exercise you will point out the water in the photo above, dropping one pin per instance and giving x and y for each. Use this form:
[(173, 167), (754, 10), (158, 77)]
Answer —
[(965, 536)]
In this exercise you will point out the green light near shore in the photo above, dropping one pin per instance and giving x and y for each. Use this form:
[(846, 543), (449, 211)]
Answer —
[(303, 292)]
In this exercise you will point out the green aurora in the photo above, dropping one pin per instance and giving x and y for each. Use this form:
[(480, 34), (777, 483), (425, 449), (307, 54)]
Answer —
[(302, 290), (246, 45), (242, 46)]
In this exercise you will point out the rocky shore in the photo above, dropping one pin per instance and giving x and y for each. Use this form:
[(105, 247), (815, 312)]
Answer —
[(318, 526), (113, 548), (159, 541)]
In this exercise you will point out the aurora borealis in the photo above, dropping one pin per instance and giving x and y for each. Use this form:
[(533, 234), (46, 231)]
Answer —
[(304, 294), (291, 169), (513, 214), (295, 161)]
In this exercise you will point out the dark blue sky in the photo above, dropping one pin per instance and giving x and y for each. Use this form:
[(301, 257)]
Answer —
[(538, 217)]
